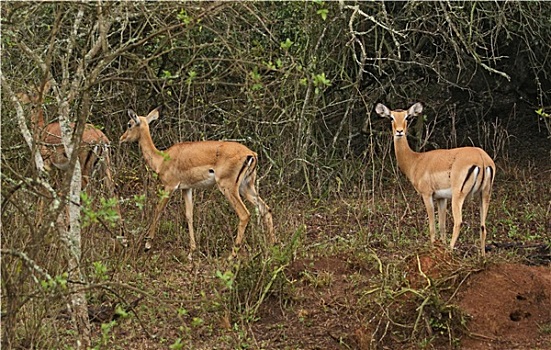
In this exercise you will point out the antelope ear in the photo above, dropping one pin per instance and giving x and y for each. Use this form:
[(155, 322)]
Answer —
[(382, 110), (134, 116), (415, 110), (153, 115)]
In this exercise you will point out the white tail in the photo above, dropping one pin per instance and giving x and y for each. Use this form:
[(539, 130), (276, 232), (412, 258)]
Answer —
[(189, 165), (443, 174)]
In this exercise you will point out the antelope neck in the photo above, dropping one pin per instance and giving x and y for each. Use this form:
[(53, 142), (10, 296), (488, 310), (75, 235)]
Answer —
[(151, 154), (405, 156)]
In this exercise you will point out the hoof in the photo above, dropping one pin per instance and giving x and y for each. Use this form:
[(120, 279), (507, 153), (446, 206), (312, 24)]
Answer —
[(123, 241), (147, 246)]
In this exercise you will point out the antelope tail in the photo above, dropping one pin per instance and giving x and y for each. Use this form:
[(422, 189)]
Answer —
[(249, 166), (482, 178)]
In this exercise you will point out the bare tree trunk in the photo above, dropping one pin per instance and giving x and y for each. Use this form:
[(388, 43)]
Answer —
[(70, 235)]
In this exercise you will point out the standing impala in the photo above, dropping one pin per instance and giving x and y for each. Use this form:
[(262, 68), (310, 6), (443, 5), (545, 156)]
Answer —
[(188, 165), (443, 174)]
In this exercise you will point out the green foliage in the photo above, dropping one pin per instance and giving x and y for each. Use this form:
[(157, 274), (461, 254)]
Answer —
[(100, 271), (227, 278), (57, 282), (286, 44), (320, 82), (106, 329), (139, 201), (107, 211), (163, 194), (184, 17), (177, 345)]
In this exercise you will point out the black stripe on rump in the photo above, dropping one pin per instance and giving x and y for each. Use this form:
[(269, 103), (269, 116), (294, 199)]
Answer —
[(469, 173), (246, 164), (89, 155)]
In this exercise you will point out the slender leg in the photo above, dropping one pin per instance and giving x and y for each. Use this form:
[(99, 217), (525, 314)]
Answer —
[(457, 208), (429, 205), (248, 190), (158, 210), (442, 202), (484, 204), (188, 200), (232, 194)]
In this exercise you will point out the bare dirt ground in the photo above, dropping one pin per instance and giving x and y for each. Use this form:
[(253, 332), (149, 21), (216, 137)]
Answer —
[(507, 306)]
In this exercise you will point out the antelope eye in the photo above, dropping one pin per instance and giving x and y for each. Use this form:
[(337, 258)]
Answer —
[(129, 125)]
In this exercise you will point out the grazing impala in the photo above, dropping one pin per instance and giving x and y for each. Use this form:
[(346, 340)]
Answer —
[(443, 174), (188, 165)]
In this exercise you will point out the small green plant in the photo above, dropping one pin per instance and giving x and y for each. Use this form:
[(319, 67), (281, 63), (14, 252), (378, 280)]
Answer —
[(107, 211), (162, 194), (322, 11), (227, 278), (184, 17), (59, 281), (106, 329), (286, 44), (165, 155), (197, 321), (177, 345), (191, 76), (100, 271), (320, 82), (139, 201), (257, 80)]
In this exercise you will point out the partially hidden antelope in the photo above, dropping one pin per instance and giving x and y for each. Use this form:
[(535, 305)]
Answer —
[(93, 150), (198, 165), (444, 174)]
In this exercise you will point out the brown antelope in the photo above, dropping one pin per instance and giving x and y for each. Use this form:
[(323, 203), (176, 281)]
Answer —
[(198, 165), (443, 174), (92, 149), (93, 146)]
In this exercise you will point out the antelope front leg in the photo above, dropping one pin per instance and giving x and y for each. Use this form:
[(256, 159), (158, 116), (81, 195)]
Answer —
[(442, 218), (429, 205), (188, 201), (158, 210)]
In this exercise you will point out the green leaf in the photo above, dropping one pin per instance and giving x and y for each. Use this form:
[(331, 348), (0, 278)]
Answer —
[(323, 13), (286, 44), (177, 345), (184, 17)]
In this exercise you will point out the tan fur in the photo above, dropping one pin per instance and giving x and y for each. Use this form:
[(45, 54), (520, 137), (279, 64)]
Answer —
[(189, 165), (93, 145), (442, 174)]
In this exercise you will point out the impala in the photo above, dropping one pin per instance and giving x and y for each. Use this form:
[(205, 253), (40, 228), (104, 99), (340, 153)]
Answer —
[(93, 148), (440, 175), (198, 165)]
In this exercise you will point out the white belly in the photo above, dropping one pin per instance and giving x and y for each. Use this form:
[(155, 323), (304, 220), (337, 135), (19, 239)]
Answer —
[(443, 193)]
